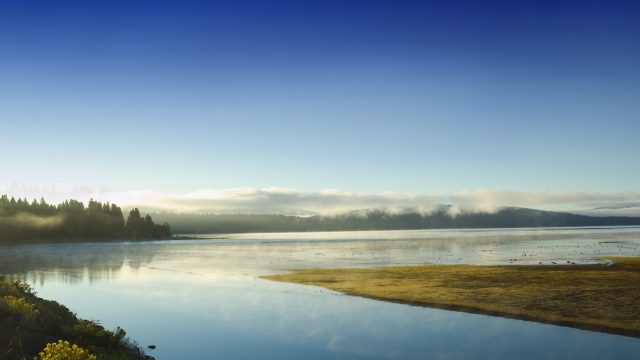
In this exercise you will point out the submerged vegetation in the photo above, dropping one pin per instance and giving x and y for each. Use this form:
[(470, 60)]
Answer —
[(593, 297), (21, 220), (31, 326)]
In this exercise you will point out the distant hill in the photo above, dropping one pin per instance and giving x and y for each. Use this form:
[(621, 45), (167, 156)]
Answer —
[(510, 217)]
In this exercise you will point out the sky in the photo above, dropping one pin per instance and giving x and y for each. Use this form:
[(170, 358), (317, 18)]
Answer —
[(418, 101)]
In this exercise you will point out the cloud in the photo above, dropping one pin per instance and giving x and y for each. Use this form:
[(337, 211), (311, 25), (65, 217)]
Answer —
[(283, 200), (333, 201), (488, 199)]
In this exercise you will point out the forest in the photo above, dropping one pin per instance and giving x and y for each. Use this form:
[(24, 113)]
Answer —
[(71, 220)]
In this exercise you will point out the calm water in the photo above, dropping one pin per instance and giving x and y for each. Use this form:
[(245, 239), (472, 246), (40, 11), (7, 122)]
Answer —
[(203, 299)]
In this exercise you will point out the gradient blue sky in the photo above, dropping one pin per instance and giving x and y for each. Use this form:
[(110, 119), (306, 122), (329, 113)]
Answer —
[(421, 97)]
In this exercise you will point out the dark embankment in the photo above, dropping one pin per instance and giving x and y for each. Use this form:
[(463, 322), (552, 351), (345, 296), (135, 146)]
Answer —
[(592, 297), (29, 323)]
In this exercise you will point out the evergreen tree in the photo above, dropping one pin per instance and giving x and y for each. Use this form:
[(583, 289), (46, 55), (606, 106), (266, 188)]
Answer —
[(21, 220)]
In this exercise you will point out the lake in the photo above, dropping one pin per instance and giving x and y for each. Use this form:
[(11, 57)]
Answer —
[(203, 298)]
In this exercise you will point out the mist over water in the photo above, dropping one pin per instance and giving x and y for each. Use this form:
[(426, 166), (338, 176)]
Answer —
[(28, 220), (203, 298)]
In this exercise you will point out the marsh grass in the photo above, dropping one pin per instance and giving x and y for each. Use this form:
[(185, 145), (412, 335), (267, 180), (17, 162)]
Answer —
[(593, 297)]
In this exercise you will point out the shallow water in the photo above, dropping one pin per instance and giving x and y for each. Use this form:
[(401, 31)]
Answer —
[(204, 298)]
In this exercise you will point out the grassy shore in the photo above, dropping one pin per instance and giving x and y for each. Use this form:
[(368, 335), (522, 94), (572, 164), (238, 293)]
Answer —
[(593, 297)]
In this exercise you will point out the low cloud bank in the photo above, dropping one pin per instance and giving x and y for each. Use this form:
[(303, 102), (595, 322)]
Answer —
[(335, 201)]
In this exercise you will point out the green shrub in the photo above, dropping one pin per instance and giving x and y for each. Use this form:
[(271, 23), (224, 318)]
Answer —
[(15, 288), (20, 306), (23, 287), (91, 332), (7, 287)]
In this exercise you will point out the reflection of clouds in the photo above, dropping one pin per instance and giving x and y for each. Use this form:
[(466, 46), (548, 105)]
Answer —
[(317, 317), (256, 306), (317, 321)]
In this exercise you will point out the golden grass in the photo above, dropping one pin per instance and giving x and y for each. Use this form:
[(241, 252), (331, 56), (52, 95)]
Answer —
[(593, 297)]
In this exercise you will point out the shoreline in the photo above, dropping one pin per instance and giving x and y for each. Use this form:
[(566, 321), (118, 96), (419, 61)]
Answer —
[(29, 324), (589, 297)]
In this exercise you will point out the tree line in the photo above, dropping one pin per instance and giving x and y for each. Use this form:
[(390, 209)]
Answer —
[(21, 220), (381, 220)]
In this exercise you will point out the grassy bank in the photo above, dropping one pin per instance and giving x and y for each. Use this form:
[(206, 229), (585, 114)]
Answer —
[(593, 297), (28, 323)]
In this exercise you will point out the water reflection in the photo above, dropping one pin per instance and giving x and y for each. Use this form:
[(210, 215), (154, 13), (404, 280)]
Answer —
[(72, 263), (204, 298), (260, 254), (191, 316)]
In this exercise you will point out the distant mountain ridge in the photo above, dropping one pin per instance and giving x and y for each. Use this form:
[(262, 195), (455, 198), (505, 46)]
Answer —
[(375, 219)]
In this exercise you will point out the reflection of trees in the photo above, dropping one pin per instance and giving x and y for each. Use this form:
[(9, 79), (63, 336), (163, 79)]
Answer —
[(72, 263)]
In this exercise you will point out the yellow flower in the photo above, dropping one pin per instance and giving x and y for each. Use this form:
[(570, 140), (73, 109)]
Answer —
[(63, 350)]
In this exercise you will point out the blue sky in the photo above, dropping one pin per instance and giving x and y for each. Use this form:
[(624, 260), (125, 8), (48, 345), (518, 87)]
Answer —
[(411, 97)]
